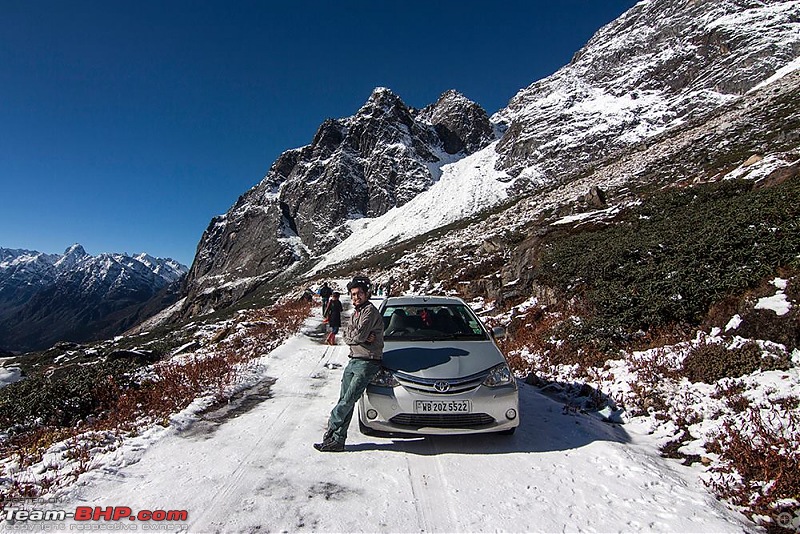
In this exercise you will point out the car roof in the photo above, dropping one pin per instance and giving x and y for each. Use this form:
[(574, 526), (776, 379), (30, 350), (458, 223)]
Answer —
[(423, 300)]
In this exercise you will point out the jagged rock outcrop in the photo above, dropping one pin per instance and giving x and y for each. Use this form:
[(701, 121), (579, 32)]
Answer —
[(45, 298), (360, 166), (462, 125), (659, 65)]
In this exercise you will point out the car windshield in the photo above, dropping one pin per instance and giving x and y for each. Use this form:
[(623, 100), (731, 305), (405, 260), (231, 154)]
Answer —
[(423, 322)]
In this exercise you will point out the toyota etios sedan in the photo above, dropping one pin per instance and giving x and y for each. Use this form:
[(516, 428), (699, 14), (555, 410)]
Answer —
[(442, 373)]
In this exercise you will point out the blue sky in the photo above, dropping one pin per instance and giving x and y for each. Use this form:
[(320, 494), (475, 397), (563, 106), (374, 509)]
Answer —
[(127, 125)]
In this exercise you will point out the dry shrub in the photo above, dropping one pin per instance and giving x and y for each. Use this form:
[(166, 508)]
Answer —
[(760, 458), (671, 449), (765, 324), (760, 323), (647, 393), (659, 336), (544, 333), (528, 332), (128, 405), (732, 394), (713, 361), (29, 447), (173, 385)]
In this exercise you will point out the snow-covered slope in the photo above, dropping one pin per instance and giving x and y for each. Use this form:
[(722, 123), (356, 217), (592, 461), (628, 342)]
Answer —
[(661, 63), (465, 188), (253, 469)]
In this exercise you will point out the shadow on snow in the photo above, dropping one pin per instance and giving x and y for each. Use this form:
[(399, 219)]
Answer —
[(545, 426)]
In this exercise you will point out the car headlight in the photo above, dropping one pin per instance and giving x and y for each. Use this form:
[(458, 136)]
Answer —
[(384, 379), (499, 375)]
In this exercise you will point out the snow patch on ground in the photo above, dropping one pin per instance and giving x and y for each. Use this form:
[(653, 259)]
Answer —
[(257, 471), (777, 302), (9, 375)]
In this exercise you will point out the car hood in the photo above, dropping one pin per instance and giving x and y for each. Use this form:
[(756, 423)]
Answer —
[(441, 359)]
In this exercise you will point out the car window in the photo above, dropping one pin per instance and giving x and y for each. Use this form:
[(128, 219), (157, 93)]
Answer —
[(427, 322)]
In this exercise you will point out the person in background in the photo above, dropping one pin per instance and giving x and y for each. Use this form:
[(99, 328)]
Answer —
[(334, 315), (364, 334), (325, 292), (388, 286), (308, 295)]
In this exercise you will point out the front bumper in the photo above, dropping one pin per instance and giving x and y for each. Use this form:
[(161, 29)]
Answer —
[(394, 411)]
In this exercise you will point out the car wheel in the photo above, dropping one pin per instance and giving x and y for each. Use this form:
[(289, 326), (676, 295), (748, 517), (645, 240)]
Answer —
[(508, 432)]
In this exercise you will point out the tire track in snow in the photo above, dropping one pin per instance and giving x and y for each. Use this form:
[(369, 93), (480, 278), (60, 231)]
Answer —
[(430, 491), (289, 404)]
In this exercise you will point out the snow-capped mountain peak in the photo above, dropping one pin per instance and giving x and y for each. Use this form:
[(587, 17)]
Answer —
[(71, 257), (356, 167), (46, 297)]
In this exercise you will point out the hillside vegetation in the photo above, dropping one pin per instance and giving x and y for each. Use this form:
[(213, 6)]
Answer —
[(61, 416), (664, 263)]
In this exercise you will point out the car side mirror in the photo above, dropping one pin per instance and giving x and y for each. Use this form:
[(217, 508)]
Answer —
[(498, 332)]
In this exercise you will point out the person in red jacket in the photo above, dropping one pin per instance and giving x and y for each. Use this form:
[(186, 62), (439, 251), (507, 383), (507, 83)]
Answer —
[(334, 316)]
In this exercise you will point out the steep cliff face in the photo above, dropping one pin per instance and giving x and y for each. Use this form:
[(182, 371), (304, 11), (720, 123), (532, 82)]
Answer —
[(356, 167), (659, 65)]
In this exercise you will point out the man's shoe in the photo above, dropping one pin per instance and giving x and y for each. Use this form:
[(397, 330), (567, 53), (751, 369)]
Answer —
[(329, 445)]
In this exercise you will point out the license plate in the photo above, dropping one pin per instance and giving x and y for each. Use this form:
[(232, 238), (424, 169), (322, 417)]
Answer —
[(459, 406)]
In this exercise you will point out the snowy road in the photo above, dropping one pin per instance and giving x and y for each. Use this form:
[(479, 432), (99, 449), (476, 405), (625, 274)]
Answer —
[(254, 470)]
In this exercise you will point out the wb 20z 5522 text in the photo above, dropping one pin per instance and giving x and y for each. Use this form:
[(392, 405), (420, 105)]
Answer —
[(462, 406), (88, 513)]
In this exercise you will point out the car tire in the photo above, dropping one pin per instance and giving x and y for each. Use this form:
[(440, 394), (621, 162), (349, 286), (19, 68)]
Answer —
[(508, 432)]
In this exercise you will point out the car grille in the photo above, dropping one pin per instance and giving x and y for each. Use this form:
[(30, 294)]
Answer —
[(428, 385), (443, 420)]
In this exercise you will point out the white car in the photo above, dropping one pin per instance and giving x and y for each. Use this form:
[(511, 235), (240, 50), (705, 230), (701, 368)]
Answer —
[(442, 373)]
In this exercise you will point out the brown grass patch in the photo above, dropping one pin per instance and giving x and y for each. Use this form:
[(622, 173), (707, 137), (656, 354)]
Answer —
[(167, 387)]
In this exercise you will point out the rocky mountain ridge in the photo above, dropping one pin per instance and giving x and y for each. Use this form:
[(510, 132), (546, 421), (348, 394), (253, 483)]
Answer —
[(45, 298), (358, 167), (661, 65), (756, 137)]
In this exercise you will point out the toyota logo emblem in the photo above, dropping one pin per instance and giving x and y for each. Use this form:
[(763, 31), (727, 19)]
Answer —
[(441, 386)]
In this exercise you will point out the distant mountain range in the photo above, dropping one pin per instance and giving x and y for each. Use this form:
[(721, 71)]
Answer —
[(47, 298)]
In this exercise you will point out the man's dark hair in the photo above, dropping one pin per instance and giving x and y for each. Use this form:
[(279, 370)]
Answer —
[(360, 281)]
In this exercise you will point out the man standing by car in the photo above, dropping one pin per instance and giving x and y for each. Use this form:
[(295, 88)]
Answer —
[(364, 334)]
